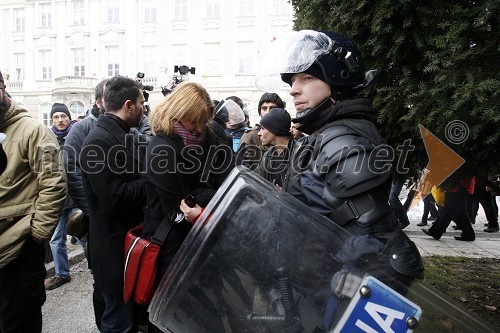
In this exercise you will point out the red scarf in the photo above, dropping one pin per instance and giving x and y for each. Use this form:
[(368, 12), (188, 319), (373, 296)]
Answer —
[(187, 137)]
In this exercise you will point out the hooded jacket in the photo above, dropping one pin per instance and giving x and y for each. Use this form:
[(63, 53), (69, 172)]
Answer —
[(32, 187)]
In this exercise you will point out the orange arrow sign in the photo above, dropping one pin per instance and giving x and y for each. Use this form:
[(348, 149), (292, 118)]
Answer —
[(443, 161)]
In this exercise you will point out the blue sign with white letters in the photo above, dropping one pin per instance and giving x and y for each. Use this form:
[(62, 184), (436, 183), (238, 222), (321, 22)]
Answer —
[(384, 310)]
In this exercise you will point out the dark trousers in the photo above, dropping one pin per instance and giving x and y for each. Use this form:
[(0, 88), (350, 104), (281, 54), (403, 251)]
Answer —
[(429, 207), (99, 306), (487, 201), (22, 291), (396, 205), (454, 209)]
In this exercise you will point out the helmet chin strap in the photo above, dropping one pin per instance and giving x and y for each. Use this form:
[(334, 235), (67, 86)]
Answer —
[(313, 118)]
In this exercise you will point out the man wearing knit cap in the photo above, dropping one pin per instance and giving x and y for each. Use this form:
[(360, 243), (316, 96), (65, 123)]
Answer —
[(250, 150), (60, 107), (275, 132), (62, 123), (61, 120)]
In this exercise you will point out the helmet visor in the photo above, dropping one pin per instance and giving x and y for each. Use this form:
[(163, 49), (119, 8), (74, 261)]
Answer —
[(229, 112), (293, 52)]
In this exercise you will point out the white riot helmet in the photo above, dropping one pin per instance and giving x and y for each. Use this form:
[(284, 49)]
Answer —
[(229, 112)]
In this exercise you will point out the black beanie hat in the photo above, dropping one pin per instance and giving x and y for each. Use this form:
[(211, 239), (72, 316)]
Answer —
[(59, 107), (277, 121)]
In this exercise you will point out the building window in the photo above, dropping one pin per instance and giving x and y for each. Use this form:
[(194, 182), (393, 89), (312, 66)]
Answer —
[(149, 11), (180, 10), (112, 11), (78, 12), (245, 57), (19, 66), (281, 7), (77, 109), (79, 62), (213, 9), (19, 19), (212, 59), (46, 62), (45, 114), (149, 56), (179, 55), (46, 15), (112, 56), (246, 7)]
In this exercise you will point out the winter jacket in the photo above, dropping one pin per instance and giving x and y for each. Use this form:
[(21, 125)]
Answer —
[(274, 164), (73, 147), (170, 177), (115, 195), (61, 140), (33, 186)]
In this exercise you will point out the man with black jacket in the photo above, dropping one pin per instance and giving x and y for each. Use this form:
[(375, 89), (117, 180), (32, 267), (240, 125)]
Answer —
[(275, 133), (115, 195), (73, 148), (251, 150)]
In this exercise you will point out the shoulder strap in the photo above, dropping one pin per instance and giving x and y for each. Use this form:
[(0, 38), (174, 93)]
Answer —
[(162, 232)]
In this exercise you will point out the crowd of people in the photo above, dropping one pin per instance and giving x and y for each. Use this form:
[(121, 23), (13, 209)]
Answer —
[(122, 167)]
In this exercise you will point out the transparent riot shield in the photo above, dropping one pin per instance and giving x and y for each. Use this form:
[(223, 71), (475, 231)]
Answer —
[(258, 260)]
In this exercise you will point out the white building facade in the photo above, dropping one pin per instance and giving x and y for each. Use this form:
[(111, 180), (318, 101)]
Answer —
[(58, 50)]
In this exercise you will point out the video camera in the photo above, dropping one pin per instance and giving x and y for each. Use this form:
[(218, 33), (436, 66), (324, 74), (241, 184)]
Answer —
[(177, 78), (139, 78), (145, 89)]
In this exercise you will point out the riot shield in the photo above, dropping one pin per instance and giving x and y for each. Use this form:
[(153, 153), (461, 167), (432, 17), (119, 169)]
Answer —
[(258, 260)]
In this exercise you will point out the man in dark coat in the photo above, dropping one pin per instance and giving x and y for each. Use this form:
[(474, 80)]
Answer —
[(74, 145), (115, 195), (275, 133), (251, 150)]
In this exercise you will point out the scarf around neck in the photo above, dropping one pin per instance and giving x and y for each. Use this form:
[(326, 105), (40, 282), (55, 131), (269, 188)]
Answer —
[(63, 134), (187, 137)]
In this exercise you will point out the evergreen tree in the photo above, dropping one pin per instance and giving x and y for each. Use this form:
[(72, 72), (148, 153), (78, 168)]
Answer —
[(438, 63)]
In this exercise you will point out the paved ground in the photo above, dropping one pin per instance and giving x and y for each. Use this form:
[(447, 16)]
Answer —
[(486, 245), (69, 308)]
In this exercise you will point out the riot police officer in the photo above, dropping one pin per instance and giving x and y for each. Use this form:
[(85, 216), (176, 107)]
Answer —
[(338, 169)]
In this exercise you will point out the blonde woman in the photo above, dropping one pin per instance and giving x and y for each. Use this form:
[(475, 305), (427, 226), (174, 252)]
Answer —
[(183, 158)]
